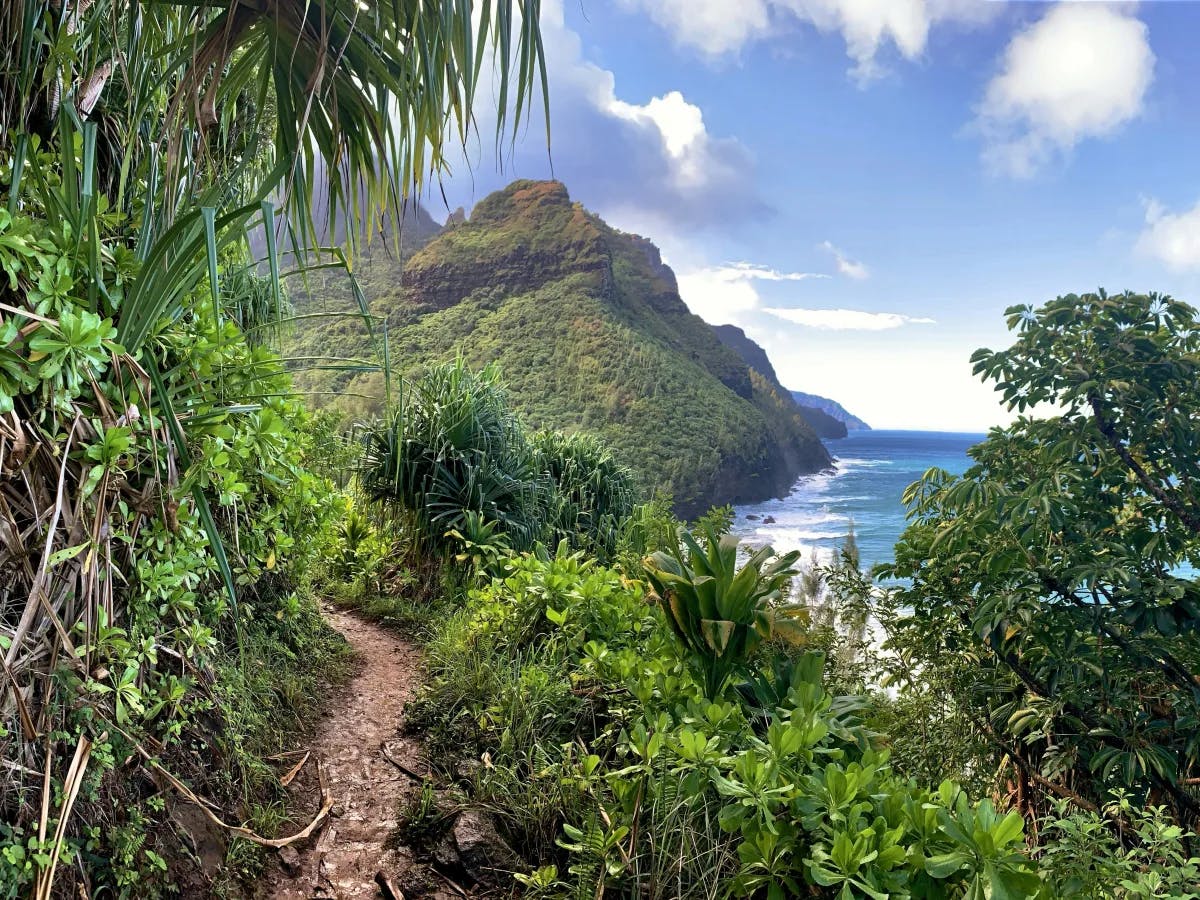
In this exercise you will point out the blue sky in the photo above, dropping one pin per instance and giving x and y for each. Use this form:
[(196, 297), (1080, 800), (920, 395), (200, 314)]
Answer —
[(866, 185)]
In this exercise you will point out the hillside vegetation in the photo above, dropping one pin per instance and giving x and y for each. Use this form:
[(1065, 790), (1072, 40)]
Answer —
[(825, 425), (588, 330)]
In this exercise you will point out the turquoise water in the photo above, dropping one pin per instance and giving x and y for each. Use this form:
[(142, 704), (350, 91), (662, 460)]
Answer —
[(873, 469)]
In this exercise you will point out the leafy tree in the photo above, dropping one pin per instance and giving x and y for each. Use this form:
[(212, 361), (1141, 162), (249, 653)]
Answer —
[(1055, 577)]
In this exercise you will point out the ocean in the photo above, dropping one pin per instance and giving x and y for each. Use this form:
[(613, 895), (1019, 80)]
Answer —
[(873, 469)]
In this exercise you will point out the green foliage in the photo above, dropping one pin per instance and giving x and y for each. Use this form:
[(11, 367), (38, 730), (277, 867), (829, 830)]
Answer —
[(480, 543), (452, 447), (473, 483), (1048, 582), (651, 526), (607, 764), (1083, 856), (594, 495), (719, 612)]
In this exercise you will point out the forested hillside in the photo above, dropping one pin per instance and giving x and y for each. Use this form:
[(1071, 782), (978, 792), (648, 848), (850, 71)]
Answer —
[(589, 333), (825, 425)]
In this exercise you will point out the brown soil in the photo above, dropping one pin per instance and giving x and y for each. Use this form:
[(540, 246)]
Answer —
[(363, 759)]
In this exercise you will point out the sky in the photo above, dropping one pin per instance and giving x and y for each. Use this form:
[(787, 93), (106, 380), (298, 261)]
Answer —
[(865, 186)]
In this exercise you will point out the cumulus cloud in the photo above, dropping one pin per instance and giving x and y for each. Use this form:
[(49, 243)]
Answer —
[(1171, 238), (845, 319), (721, 293), (649, 163), (718, 28), (1081, 71), (846, 266)]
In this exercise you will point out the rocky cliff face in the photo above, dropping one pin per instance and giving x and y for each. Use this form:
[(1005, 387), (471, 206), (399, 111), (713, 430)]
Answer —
[(590, 334)]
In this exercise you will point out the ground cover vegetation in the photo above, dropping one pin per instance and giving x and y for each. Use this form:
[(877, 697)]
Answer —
[(159, 521), (674, 718)]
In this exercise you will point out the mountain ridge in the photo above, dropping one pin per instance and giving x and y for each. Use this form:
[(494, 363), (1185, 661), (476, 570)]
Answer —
[(590, 333), (831, 408), (826, 426)]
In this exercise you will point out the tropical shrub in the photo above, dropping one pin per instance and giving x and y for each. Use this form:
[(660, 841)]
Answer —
[(1082, 856), (459, 466), (606, 762), (480, 544), (720, 612), (451, 447), (594, 493), (1049, 584)]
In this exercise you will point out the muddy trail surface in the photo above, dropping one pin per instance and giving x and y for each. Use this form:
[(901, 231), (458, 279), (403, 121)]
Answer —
[(362, 766)]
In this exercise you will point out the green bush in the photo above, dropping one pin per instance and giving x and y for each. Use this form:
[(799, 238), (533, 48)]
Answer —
[(612, 770), (472, 483), (594, 493), (1082, 855), (720, 612), (453, 446)]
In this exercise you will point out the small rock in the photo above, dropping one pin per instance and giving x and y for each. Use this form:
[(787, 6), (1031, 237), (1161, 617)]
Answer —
[(485, 856), (467, 769), (769, 520), (752, 518), (445, 853), (289, 859)]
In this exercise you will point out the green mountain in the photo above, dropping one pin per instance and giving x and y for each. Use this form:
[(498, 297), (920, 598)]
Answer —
[(831, 408), (826, 426), (590, 334)]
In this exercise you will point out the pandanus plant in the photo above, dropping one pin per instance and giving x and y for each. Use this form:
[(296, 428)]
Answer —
[(719, 612), (140, 144)]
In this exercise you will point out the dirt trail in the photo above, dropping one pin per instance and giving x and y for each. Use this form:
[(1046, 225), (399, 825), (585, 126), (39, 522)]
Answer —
[(354, 744)]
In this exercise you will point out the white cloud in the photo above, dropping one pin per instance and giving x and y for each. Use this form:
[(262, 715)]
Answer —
[(720, 293), (845, 319), (1081, 71), (653, 165), (714, 27), (846, 266), (1171, 238), (744, 271), (694, 160), (718, 28)]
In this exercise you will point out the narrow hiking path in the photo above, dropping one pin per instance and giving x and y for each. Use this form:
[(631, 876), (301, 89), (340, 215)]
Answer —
[(362, 758)]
